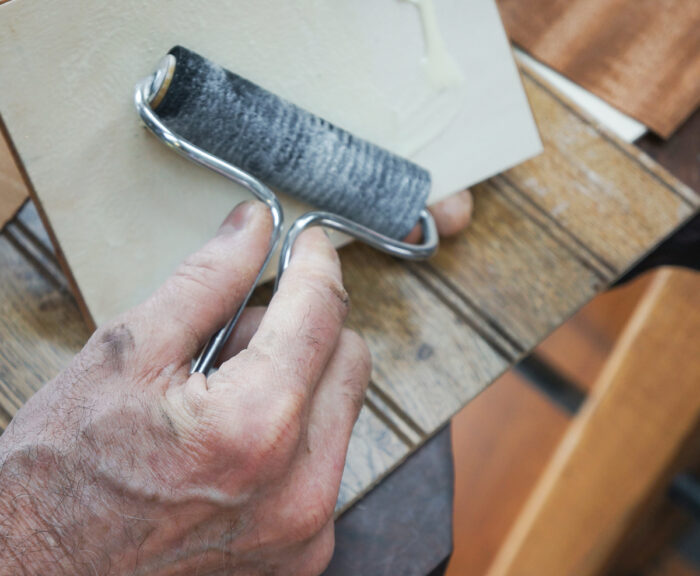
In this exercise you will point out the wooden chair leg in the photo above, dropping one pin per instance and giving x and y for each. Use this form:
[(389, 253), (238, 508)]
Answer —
[(621, 448)]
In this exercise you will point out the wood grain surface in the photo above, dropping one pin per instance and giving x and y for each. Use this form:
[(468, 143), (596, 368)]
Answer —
[(546, 237), (623, 448), (13, 192), (642, 56)]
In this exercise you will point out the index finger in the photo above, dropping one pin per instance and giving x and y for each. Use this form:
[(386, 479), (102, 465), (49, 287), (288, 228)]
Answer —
[(300, 330)]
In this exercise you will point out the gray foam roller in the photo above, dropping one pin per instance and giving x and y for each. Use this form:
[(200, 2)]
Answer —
[(290, 149)]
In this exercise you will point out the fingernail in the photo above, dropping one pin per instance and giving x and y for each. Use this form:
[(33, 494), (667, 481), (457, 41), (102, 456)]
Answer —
[(309, 241), (238, 218)]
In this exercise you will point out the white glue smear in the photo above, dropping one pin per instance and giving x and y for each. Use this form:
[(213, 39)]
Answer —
[(403, 120), (430, 112), (441, 67)]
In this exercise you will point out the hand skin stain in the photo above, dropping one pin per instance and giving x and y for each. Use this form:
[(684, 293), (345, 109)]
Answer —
[(117, 342)]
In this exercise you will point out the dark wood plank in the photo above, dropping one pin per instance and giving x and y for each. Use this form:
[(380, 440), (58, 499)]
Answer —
[(642, 56)]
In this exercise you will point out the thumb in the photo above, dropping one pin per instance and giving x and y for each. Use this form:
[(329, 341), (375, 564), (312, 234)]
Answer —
[(208, 287)]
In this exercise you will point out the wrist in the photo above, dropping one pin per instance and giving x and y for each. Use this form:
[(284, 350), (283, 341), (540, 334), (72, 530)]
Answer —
[(31, 540)]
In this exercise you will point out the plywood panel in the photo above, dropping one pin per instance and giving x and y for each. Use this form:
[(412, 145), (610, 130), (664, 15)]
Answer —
[(589, 182), (419, 345), (521, 276), (439, 332), (142, 208), (642, 56)]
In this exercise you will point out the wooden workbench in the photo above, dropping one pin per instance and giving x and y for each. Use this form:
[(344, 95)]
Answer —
[(546, 237)]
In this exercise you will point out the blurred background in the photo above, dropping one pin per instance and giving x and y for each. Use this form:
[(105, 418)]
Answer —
[(504, 439)]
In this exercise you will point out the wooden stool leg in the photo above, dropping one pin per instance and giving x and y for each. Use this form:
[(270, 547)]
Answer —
[(620, 449)]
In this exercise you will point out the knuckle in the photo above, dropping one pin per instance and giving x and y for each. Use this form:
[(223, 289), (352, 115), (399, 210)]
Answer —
[(317, 496), (325, 547), (273, 412), (215, 444), (107, 352), (197, 268), (194, 397), (215, 423), (274, 436), (194, 285), (280, 429)]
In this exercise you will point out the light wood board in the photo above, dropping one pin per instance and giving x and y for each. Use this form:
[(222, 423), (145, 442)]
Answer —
[(546, 237), (126, 210), (642, 56)]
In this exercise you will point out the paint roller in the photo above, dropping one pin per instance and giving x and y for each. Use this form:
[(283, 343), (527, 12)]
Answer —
[(226, 123)]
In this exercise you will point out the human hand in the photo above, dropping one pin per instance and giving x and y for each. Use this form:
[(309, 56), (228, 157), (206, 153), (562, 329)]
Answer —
[(125, 463)]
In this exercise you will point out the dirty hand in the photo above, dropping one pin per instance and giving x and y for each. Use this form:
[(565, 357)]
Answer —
[(127, 464)]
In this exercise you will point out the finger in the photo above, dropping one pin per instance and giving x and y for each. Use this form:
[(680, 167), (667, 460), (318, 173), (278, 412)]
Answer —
[(452, 215), (240, 337), (298, 333), (337, 403), (334, 409), (208, 287)]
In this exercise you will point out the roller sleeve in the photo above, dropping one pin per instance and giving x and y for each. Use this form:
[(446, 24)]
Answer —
[(291, 149)]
